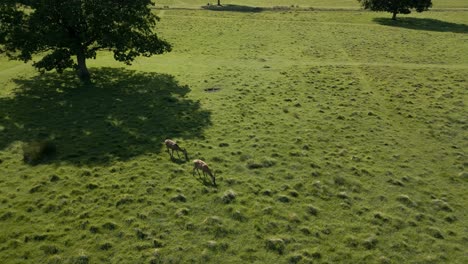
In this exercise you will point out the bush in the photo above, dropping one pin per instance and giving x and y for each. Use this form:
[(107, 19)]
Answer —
[(37, 151)]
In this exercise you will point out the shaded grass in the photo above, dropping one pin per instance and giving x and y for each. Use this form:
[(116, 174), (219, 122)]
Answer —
[(424, 24), (232, 8), (122, 115)]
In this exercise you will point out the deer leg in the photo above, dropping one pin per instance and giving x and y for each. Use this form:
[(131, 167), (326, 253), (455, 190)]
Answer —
[(205, 176), (178, 154), (193, 172), (172, 154), (200, 177), (214, 180)]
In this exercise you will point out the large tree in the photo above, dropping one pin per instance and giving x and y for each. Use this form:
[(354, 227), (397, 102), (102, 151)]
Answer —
[(65, 33), (396, 6)]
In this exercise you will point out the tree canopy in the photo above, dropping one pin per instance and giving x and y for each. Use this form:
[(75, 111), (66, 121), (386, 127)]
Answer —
[(396, 6), (64, 33)]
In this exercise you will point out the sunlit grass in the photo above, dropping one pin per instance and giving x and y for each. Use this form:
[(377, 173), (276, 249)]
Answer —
[(335, 138), (295, 3)]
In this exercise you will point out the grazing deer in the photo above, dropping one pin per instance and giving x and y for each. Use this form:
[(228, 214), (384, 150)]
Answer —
[(201, 165), (171, 146)]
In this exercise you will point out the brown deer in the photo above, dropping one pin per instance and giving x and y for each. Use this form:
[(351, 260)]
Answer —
[(171, 146), (201, 165)]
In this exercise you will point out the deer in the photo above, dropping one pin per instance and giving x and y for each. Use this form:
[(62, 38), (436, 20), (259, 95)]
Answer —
[(172, 146), (201, 165)]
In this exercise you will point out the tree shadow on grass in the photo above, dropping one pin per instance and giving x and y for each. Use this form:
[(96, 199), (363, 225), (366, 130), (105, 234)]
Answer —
[(121, 115), (233, 8), (423, 24)]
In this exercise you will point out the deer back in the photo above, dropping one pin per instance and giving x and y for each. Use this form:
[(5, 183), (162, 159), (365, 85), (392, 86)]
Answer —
[(172, 144), (200, 164)]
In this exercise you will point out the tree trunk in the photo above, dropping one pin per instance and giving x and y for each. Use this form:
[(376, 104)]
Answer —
[(394, 16), (219, 2), (82, 70)]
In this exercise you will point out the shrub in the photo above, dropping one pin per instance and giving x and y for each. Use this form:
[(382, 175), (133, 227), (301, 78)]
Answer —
[(37, 151)]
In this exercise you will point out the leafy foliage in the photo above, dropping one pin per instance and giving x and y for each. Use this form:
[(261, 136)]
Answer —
[(396, 6), (60, 29)]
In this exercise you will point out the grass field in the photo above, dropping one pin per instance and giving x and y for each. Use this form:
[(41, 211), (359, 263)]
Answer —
[(336, 137), (346, 4)]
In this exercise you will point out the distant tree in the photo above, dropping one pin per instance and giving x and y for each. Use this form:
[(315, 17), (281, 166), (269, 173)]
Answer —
[(219, 2), (396, 6), (57, 31)]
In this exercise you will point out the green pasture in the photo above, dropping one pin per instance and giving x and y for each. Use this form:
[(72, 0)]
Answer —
[(335, 137), (333, 4)]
